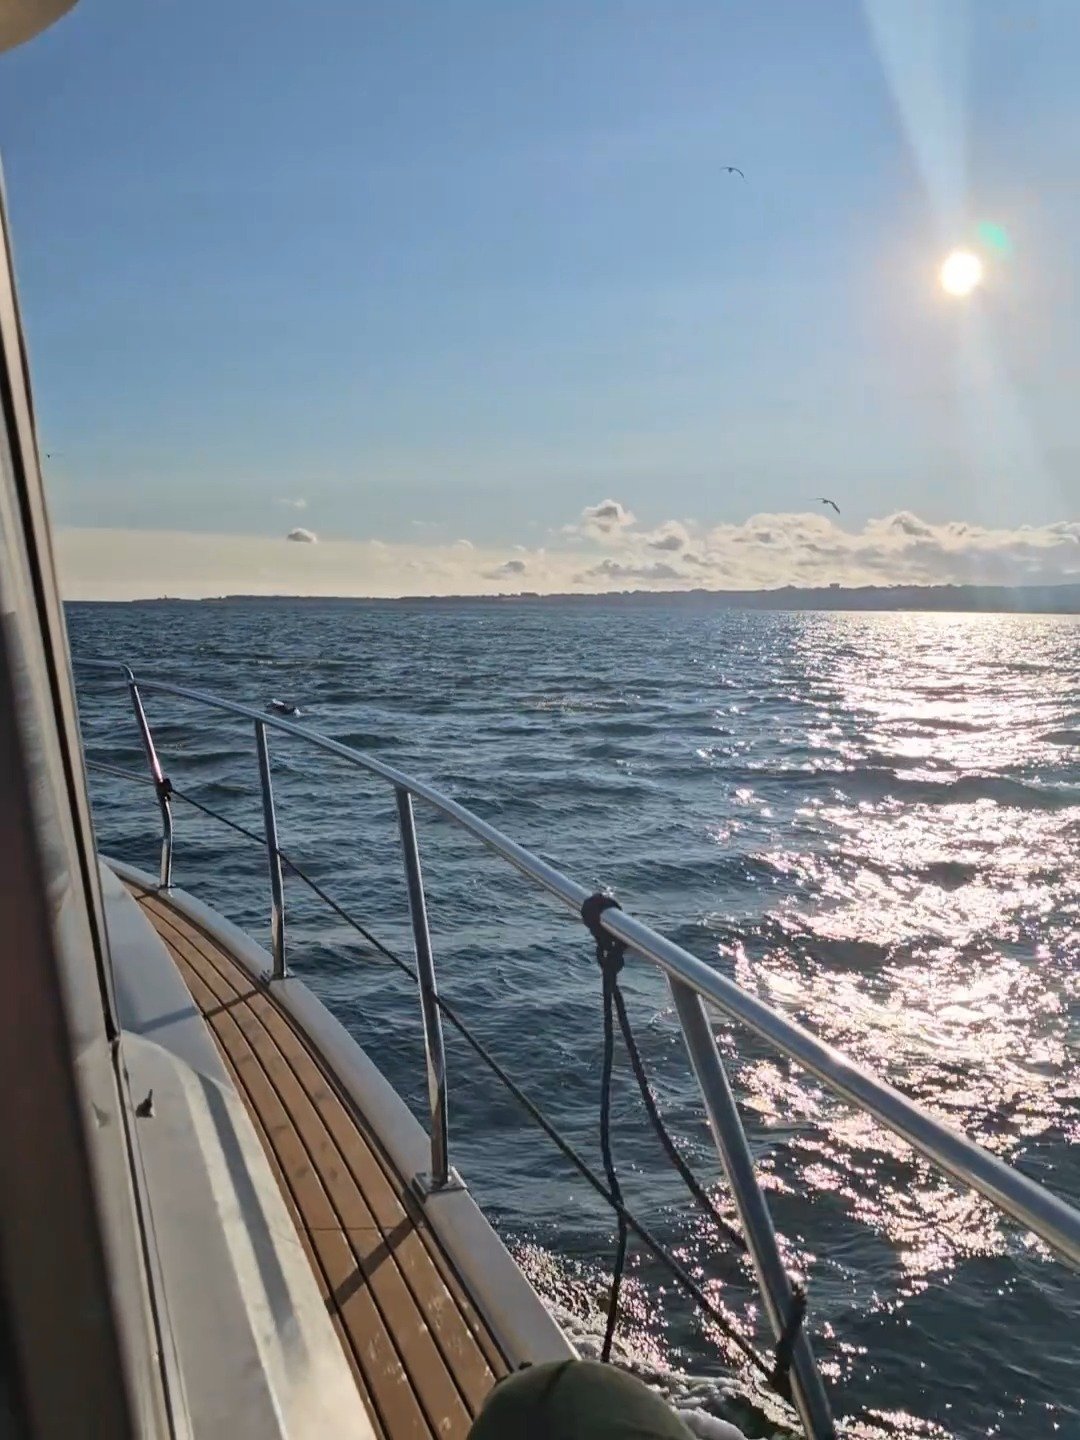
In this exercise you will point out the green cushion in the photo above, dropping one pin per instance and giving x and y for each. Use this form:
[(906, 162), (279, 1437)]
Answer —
[(575, 1400)]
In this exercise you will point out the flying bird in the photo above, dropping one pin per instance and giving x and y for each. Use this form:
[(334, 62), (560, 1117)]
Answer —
[(733, 170), (824, 499)]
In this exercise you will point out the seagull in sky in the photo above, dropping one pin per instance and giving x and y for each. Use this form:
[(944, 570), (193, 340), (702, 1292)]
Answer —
[(824, 499), (733, 170)]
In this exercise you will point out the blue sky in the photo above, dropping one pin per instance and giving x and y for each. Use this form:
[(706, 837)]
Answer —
[(477, 265)]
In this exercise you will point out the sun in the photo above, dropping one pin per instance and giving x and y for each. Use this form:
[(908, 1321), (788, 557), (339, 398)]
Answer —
[(961, 273)]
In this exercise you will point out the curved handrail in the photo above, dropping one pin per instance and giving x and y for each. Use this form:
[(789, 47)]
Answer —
[(1027, 1202), (161, 785), (692, 983)]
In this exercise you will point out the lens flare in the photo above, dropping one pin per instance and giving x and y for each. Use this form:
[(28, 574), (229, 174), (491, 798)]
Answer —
[(961, 273), (994, 238)]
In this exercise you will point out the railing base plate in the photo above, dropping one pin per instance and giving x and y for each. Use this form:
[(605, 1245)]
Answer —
[(424, 1186)]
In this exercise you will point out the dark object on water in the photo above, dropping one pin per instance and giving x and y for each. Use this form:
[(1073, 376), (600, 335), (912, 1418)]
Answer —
[(282, 707)]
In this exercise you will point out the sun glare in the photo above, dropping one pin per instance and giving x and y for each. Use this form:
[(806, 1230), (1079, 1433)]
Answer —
[(961, 273)]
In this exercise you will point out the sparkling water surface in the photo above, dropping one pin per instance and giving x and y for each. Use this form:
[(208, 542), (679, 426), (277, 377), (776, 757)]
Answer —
[(870, 821)]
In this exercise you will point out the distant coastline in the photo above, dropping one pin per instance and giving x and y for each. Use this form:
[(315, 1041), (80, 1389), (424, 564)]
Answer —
[(977, 599)]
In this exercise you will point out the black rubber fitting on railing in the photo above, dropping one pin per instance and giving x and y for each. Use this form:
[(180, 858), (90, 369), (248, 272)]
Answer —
[(591, 911), (785, 1346), (609, 948)]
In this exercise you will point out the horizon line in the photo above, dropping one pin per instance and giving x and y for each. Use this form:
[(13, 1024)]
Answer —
[(731, 598)]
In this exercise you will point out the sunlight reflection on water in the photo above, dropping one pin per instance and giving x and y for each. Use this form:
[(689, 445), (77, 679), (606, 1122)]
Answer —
[(872, 821)]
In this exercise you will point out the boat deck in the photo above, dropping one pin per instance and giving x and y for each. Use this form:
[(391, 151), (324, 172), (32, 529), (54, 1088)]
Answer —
[(423, 1357)]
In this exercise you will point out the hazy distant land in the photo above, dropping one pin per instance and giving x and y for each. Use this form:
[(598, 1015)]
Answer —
[(1015, 599)]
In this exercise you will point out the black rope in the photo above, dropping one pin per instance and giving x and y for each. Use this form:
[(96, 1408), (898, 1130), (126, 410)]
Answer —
[(780, 1378), (678, 1272), (613, 1197), (214, 815), (610, 954), (258, 839), (670, 1149)]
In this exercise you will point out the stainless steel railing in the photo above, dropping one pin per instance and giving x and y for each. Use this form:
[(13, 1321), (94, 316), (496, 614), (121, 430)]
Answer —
[(693, 983), (161, 785)]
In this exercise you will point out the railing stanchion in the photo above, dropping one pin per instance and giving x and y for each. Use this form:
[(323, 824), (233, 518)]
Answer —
[(1030, 1204), (731, 1143), (273, 856), (425, 970), (162, 788)]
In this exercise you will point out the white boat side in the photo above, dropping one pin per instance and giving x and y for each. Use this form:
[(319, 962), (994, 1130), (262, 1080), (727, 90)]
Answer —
[(222, 1241), (494, 1281)]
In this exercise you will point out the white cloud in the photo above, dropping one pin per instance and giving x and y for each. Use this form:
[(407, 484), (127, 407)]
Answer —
[(506, 569), (463, 545), (765, 551), (297, 504), (671, 537), (809, 549), (616, 570), (305, 537), (904, 523), (606, 521)]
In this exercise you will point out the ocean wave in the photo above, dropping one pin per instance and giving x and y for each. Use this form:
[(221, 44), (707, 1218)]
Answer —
[(943, 722), (625, 729), (946, 874), (338, 695), (798, 941), (1022, 794), (708, 870), (368, 740), (877, 783), (726, 1407), (963, 790), (1061, 737)]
